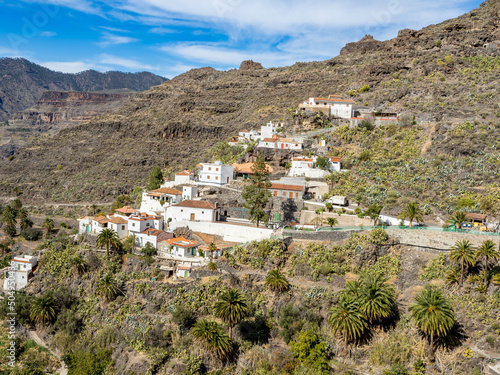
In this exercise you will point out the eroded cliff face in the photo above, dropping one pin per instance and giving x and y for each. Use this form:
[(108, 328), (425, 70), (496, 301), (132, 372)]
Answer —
[(54, 111)]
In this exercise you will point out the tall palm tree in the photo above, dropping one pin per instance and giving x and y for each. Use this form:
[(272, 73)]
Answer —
[(108, 287), (347, 320), (108, 238), (317, 220), (25, 221), (433, 314), (458, 218), (377, 298), (276, 281), (231, 308), (331, 221), (413, 212), (48, 225), (9, 215), (463, 253), (212, 337), (487, 252), (352, 288), (43, 310)]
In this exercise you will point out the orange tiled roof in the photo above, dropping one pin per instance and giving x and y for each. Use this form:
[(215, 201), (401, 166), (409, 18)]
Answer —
[(247, 168), (184, 173), (196, 204), (152, 232), (474, 216), (286, 187), (169, 191), (118, 220), (181, 242), (333, 100), (269, 140), (335, 159), (303, 159), (126, 210), (102, 219)]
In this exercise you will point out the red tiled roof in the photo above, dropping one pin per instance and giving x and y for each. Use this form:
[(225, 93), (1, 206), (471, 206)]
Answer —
[(152, 232), (286, 187), (184, 173), (302, 159), (333, 100), (196, 204), (183, 268), (335, 159), (269, 140), (474, 216), (102, 219), (126, 210)]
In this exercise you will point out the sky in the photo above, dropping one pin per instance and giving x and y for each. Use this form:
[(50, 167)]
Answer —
[(170, 37)]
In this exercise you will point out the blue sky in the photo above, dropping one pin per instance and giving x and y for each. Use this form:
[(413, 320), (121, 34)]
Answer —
[(170, 37)]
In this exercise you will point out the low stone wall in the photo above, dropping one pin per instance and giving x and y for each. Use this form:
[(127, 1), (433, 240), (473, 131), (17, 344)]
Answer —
[(320, 236), (436, 239), (344, 220), (229, 232)]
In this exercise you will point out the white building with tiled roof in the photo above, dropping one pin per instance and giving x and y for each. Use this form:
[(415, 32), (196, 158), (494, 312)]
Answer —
[(153, 236), (179, 246), (334, 105), (139, 223), (184, 177), (287, 191), (119, 225), (20, 271), (155, 200), (306, 167), (192, 210)]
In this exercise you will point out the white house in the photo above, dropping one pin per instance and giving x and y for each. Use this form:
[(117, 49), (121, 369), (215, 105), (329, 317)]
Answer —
[(85, 224), (139, 223), (119, 225), (184, 177), (268, 142), (99, 223), (245, 136), (153, 201), (153, 236), (270, 129), (215, 173), (183, 271), (20, 271), (179, 247), (289, 144), (189, 192), (190, 210), (306, 167), (334, 105)]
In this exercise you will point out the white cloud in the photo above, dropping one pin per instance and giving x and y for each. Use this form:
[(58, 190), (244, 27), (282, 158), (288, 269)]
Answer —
[(10, 52), (115, 29), (125, 63), (47, 34), (68, 66), (163, 30), (109, 39)]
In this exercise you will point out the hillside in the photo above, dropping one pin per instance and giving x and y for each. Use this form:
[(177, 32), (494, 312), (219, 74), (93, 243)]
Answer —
[(23, 83), (54, 111), (441, 74)]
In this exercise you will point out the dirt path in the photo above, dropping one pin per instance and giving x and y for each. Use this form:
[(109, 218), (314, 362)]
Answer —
[(36, 338)]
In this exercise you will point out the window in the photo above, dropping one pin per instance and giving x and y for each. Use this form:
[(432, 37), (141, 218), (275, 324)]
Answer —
[(123, 227), (296, 195), (216, 177), (209, 168), (284, 193), (208, 177), (147, 224), (275, 193), (202, 212), (217, 169), (182, 210), (133, 224)]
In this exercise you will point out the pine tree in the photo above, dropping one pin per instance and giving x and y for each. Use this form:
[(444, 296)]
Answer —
[(256, 193), (155, 178)]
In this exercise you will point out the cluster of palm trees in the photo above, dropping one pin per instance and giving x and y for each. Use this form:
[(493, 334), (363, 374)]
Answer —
[(11, 213), (371, 301), (412, 212), (466, 255), (231, 308)]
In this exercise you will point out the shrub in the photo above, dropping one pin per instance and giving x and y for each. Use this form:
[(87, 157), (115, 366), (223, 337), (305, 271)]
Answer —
[(364, 88), (366, 125), (378, 236), (365, 155), (31, 234), (490, 340)]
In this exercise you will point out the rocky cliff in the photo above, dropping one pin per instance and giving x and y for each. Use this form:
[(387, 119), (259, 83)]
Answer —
[(54, 111), (440, 74), (23, 82)]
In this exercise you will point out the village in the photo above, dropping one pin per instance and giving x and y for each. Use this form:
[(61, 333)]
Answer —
[(200, 214)]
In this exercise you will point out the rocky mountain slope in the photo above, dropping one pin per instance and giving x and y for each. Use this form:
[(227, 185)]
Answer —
[(23, 82), (442, 74), (54, 111)]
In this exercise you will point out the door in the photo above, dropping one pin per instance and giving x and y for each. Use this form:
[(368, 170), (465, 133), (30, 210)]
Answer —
[(192, 217), (282, 145), (291, 195)]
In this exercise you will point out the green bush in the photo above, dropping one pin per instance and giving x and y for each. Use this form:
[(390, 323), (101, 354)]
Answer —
[(378, 236), (364, 88), (31, 234)]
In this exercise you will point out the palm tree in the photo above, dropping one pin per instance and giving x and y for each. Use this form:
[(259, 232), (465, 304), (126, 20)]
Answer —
[(212, 247), (352, 288), (458, 218), (9, 215), (347, 320), (453, 276), (48, 225), (43, 310), (78, 264), (413, 212), (212, 337), (331, 221), (276, 281), (212, 266), (108, 238), (231, 308), (377, 298), (317, 220), (433, 314), (108, 287), (487, 252), (26, 222), (463, 253), (495, 279)]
